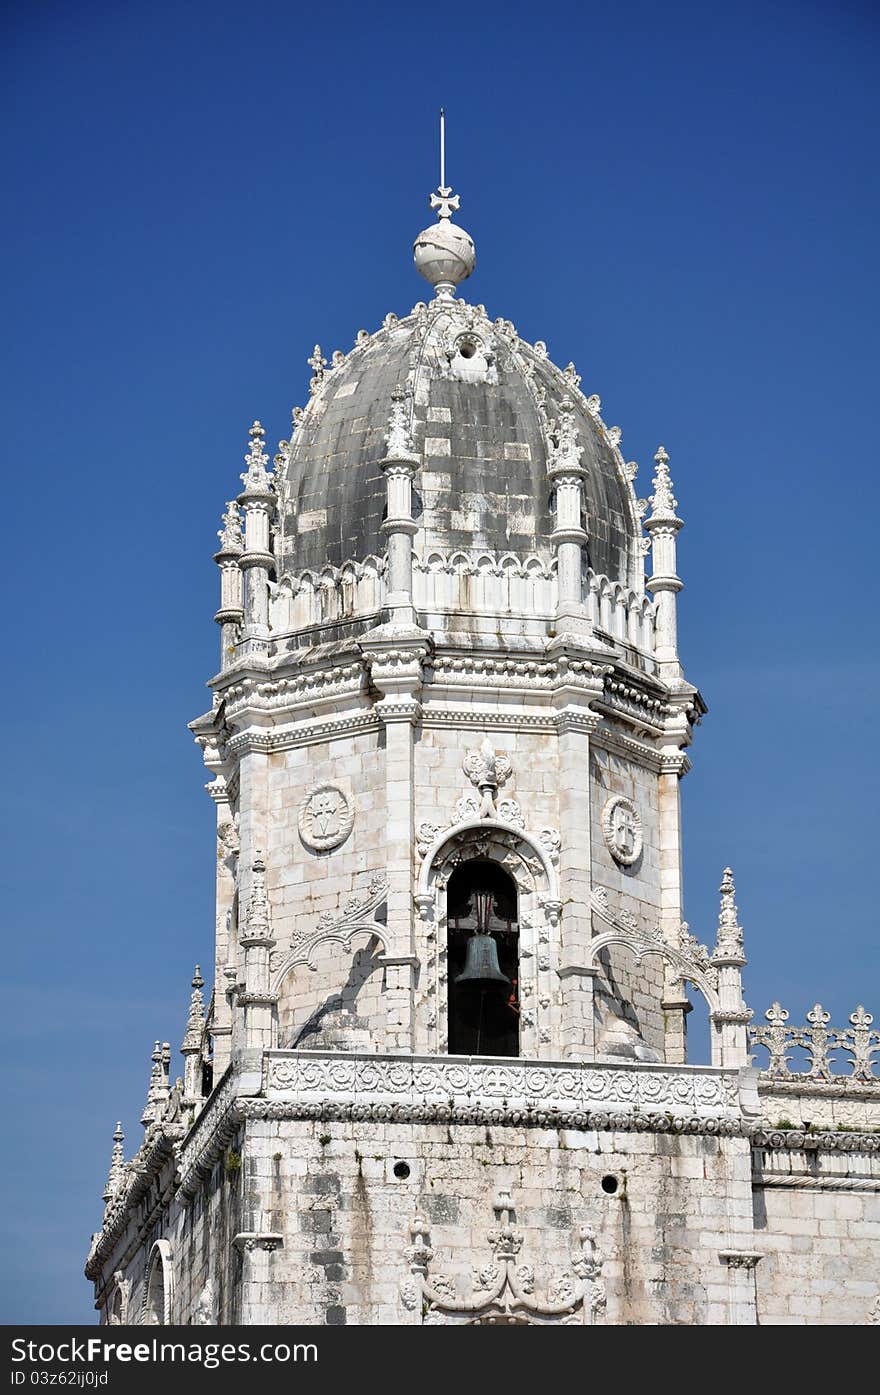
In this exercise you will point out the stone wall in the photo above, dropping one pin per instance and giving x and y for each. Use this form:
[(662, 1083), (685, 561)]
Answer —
[(820, 1251)]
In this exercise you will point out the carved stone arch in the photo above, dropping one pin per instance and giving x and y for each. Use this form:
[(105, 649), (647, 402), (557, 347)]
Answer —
[(159, 1287), (357, 918), (117, 1301), (623, 930), (530, 865), (683, 972)]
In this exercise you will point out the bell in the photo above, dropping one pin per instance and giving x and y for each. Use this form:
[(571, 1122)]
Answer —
[(481, 967)]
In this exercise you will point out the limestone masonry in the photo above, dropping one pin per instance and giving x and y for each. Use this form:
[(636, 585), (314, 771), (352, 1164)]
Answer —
[(442, 1074)]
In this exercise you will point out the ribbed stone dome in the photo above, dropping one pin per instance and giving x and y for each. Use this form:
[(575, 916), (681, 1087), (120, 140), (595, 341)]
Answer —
[(484, 406)]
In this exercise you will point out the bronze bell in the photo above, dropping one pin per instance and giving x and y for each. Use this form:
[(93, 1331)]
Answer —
[(481, 967)]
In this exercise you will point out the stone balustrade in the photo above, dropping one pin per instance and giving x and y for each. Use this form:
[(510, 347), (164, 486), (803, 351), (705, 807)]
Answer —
[(828, 1055), (457, 584)]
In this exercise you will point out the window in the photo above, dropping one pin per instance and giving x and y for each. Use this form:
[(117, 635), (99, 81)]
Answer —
[(482, 961)]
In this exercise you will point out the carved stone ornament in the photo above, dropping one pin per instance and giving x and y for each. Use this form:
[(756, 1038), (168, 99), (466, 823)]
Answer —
[(326, 816), (487, 769), (503, 1290), (622, 830)]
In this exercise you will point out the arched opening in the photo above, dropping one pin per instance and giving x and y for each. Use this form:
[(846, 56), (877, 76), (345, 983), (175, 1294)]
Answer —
[(483, 960), (157, 1297)]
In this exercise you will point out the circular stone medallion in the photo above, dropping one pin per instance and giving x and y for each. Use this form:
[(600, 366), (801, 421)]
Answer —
[(622, 830), (325, 819)]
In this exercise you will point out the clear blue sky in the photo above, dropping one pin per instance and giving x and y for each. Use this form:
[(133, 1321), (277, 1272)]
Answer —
[(683, 199)]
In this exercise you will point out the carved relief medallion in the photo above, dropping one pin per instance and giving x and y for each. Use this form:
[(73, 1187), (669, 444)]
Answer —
[(622, 830), (326, 816)]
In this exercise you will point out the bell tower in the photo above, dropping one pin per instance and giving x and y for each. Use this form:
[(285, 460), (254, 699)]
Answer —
[(446, 738)]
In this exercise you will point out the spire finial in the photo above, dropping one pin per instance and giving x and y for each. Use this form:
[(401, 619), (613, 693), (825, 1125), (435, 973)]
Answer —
[(444, 254), (117, 1164), (255, 479), (192, 1041), (663, 502), (730, 935), (154, 1093), (444, 201)]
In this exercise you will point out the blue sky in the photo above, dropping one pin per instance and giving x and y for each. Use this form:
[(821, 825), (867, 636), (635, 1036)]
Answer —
[(683, 199)]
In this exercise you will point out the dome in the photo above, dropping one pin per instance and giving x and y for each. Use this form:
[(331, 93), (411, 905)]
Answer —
[(484, 406)]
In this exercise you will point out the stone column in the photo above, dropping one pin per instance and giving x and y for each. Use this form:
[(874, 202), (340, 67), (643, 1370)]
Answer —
[(256, 940), (253, 772), (663, 525), (675, 1002), (569, 536), (742, 1287), (399, 466), (395, 654), (579, 683), (191, 1046), (256, 1249), (730, 1046), (257, 500), (225, 940), (228, 559)]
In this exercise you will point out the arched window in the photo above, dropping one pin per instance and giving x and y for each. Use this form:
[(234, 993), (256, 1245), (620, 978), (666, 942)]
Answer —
[(157, 1298), (483, 960)]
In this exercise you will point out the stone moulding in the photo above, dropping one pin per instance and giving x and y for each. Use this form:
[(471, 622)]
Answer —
[(421, 1084), (699, 1100)]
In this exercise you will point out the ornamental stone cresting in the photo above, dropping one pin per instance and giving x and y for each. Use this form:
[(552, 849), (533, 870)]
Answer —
[(438, 1072)]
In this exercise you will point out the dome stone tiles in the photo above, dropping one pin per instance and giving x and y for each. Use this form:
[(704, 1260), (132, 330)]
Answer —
[(483, 482)]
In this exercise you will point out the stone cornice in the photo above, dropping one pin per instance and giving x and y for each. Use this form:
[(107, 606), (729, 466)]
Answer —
[(594, 1095)]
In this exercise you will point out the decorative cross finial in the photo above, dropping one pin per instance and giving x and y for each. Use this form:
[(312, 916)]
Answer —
[(445, 202)]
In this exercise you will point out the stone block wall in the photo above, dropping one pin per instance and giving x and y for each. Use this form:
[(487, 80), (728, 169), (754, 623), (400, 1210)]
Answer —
[(821, 1251), (681, 1202)]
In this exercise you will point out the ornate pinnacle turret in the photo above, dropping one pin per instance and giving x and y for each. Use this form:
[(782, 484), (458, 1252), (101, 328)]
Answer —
[(192, 1040), (398, 439), (154, 1093), (257, 928), (230, 535), (663, 503), (729, 940), (565, 455), (117, 1165), (255, 479)]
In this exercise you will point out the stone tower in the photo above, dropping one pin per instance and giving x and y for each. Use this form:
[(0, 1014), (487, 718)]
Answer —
[(442, 1076)]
